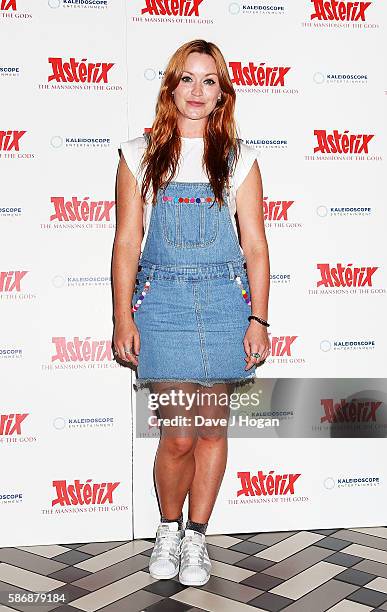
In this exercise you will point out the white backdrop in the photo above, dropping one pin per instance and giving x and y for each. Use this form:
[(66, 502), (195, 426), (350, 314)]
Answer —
[(57, 368), (66, 406)]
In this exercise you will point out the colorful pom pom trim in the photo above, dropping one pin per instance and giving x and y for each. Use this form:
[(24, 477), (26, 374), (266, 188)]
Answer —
[(245, 295), (177, 200), (144, 291), (146, 288)]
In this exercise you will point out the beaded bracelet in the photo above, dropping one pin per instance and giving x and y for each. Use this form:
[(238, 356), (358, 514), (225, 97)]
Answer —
[(262, 321)]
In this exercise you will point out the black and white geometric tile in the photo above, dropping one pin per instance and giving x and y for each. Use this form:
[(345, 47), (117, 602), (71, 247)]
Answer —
[(340, 570)]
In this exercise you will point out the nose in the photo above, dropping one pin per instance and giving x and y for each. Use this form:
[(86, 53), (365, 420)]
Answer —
[(196, 89)]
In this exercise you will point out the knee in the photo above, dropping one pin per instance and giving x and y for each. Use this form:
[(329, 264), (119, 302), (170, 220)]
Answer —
[(179, 446)]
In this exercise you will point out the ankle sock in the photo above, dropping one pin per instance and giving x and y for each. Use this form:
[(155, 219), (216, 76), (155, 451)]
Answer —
[(200, 527), (179, 520)]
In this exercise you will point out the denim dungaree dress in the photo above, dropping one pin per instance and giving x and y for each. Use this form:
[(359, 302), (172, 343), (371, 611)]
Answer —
[(191, 300)]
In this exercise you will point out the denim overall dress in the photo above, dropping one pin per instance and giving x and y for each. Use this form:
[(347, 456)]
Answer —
[(191, 300)]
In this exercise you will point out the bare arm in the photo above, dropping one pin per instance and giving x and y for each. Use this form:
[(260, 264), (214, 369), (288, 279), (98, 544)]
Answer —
[(126, 254), (249, 200)]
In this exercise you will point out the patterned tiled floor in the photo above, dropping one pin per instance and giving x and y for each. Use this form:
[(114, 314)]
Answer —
[(341, 570)]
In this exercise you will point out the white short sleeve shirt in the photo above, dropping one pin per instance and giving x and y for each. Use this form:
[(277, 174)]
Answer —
[(190, 169)]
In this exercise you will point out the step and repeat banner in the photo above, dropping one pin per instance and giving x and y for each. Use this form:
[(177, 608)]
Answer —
[(76, 79)]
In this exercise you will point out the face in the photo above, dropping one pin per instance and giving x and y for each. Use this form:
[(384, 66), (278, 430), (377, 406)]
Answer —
[(197, 93)]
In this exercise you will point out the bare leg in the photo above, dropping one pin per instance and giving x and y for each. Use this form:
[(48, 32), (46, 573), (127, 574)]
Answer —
[(175, 462), (210, 452)]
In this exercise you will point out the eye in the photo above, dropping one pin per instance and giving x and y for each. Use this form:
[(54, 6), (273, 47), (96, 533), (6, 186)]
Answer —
[(187, 78)]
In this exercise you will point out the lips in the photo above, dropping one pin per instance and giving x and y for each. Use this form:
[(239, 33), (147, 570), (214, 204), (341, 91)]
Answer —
[(194, 103)]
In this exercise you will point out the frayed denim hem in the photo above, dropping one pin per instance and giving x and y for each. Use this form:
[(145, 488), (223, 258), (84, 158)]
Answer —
[(144, 382)]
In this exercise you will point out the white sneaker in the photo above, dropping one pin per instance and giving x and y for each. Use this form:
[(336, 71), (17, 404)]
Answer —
[(195, 564), (164, 560)]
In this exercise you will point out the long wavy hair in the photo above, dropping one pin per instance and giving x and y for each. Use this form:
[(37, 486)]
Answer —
[(162, 154)]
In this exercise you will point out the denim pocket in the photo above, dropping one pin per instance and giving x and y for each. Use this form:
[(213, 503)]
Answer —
[(188, 224)]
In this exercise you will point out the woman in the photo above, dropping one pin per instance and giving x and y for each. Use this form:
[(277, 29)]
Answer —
[(190, 334)]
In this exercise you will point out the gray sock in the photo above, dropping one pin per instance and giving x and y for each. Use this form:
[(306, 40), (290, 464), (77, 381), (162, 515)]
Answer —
[(200, 527), (179, 520)]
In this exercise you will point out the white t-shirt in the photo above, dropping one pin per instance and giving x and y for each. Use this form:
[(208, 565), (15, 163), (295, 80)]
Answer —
[(190, 169)]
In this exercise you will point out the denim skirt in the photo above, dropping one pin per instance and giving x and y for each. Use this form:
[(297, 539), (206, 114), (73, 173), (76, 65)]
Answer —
[(192, 323)]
